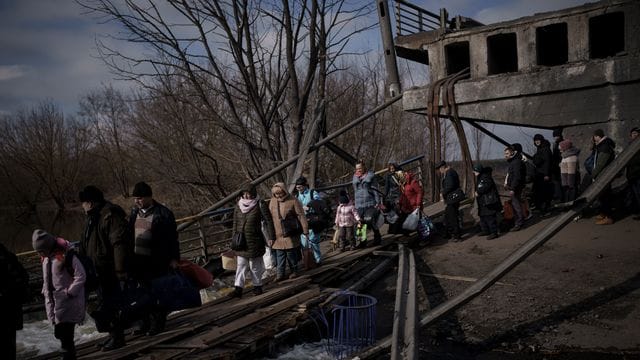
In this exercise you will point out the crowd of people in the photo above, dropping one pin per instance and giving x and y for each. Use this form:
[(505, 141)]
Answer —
[(126, 254), (133, 250)]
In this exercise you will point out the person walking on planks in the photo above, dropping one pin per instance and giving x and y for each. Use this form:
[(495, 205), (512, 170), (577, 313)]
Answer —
[(306, 195), (515, 183), (452, 195), (604, 155), (107, 242), (62, 288), (156, 249), (249, 216), (367, 198), (285, 209)]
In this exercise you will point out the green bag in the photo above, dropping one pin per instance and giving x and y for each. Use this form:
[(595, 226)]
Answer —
[(361, 234)]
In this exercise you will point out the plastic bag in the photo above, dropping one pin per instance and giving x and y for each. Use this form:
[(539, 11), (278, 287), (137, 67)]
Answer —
[(267, 258), (361, 233), (411, 222)]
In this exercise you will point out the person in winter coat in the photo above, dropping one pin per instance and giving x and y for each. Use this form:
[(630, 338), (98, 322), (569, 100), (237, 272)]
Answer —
[(514, 184), (14, 291), (452, 196), (287, 247), (248, 218), (346, 218), (306, 195), (542, 184), (367, 198), (392, 186), (633, 171), (556, 158), (488, 201), (410, 199), (63, 289), (107, 242), (569, 172), (604, 155), (156, 250)]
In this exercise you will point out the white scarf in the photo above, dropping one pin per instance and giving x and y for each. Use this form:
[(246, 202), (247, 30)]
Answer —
[(247, 204)]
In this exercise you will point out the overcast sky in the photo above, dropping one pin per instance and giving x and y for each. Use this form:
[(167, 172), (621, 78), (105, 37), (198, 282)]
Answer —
[(48, 46)]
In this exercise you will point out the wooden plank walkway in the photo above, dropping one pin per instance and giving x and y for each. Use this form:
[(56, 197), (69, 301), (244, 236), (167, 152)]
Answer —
[(236, 328)]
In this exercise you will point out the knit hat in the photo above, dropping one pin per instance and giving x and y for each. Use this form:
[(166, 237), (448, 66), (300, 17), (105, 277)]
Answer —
[(142, 189), (599, 133), (538, 137), (557, 132), (42, 241), (301, 180), (91, 194), (477, 168), (565, 145), (441, 164), (635, 129), (344, 197)]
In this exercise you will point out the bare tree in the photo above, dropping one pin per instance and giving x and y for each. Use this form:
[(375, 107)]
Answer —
[(251, 67), (109, 114), (48, 147)]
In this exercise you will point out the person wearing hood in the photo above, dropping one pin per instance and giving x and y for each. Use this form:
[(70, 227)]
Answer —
[(569, 171), (62, 288), (346, 218), (488, 201), (287, 246), (604, 155), (542, 185), (367, 198), (249, 215)]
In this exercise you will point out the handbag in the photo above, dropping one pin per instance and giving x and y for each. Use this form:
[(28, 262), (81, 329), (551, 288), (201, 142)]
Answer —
[(455, 196), (200, 276), (425, 228), (290, 224), (238, 242)]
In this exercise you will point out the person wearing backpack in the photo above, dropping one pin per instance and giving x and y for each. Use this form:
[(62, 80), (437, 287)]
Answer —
[(106, 240), (63, 292), (14, 291), (306, 196)]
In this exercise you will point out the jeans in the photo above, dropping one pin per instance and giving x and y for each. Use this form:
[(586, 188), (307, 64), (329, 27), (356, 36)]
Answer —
[(312, 241), (287, 256), (256, 265)]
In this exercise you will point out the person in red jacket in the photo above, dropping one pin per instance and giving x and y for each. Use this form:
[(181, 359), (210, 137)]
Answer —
[(410, 198)]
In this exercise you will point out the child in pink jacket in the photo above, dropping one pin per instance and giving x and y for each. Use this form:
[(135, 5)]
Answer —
[(63, 289), (346, 218)]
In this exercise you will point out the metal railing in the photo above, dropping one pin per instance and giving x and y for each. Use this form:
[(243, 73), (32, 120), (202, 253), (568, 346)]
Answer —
[(411, 19)]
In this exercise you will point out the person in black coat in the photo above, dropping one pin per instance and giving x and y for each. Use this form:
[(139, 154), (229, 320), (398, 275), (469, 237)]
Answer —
[(556, 158), (156, 249), (488, 201), (542, 184), (14, 290), (514, 183), (452, 195)]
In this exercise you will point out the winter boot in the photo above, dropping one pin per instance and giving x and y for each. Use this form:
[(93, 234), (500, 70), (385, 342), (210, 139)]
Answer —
[(257, 290)]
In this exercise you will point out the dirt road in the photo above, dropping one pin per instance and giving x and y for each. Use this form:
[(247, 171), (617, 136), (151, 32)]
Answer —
[(578, 294)]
